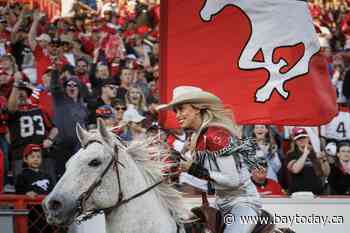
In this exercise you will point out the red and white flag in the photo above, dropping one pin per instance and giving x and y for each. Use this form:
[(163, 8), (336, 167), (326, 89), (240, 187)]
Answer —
[(261, 57)]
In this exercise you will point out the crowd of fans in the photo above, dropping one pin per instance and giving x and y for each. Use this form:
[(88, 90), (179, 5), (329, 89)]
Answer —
[(105, 64)]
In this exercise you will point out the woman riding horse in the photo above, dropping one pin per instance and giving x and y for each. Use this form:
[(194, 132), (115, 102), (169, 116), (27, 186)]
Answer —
[(214, 145)]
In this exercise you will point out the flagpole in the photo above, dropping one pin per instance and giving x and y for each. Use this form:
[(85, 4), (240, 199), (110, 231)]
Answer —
[(163, 55)]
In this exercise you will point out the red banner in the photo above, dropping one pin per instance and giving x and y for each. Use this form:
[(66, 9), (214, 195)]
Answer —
[(261, 57)]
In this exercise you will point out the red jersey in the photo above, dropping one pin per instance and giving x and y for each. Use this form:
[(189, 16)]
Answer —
[(43, 99), (269, 187), (43, 61)]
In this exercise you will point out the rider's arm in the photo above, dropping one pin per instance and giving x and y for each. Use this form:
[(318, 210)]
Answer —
[(220, 145), (228, 176)]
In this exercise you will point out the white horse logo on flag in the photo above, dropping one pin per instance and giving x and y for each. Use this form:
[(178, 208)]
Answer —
[(274, 25)]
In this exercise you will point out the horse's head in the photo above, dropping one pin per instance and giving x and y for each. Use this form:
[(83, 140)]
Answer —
[(78, 190)]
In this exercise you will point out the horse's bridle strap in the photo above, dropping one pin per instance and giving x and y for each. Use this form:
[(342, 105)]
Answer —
[(122, 202), (84, 196)]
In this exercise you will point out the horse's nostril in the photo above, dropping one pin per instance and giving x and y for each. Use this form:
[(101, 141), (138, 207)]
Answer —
[(55, 205)]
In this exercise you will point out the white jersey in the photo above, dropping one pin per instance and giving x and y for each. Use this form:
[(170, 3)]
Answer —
[(339, 127)]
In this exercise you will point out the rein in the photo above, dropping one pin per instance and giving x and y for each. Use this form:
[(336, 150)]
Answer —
[(81, 217)]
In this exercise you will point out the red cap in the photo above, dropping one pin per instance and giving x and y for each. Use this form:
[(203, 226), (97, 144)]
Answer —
[(30, 148), (299, 133)]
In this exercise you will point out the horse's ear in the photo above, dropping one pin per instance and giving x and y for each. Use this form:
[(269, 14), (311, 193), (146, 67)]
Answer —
[(103, 131), (82, 135)]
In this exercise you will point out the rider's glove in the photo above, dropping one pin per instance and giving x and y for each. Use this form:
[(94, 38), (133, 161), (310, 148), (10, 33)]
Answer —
[(199, 171)]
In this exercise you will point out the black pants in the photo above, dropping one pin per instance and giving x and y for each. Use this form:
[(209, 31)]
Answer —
[(61, 155)]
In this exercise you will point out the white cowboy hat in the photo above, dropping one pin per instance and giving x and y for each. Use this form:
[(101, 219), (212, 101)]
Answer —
[(189, 94)]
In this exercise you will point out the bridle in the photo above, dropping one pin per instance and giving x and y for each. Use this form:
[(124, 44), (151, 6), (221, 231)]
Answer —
[(81, 216)]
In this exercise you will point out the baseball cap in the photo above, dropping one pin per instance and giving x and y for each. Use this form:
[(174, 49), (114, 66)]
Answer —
[(56, 41), (132, 115), (30, 148), (44, 37), (109, 81), (105, 111), (298, 132)]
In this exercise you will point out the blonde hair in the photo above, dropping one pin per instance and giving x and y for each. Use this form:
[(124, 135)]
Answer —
[(215, 115), (141, 105)]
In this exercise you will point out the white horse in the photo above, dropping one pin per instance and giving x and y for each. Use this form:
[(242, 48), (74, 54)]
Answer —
[(122, 181)]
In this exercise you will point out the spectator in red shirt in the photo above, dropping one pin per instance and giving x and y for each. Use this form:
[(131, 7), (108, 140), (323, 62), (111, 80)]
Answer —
[(264, 185), (46, 49)]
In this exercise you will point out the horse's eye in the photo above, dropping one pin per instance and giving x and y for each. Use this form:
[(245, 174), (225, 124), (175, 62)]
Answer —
[(94, 163)]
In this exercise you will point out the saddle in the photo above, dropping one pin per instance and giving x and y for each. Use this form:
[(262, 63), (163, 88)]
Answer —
[(211, 219)]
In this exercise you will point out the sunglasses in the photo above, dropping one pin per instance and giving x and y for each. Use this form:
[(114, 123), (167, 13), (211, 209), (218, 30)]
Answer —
[(113, 87), (118, 108), (72, 85), (81, 66), (54, 45)]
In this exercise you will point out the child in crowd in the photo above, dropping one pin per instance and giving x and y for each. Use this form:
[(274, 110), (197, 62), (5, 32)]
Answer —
[(32, 182)]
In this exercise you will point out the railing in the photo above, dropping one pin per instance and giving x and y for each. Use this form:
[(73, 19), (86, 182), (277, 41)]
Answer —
[(19, 207)]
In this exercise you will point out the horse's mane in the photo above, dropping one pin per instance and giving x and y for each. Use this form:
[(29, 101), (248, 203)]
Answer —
[(139, 151), (151, 168)]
